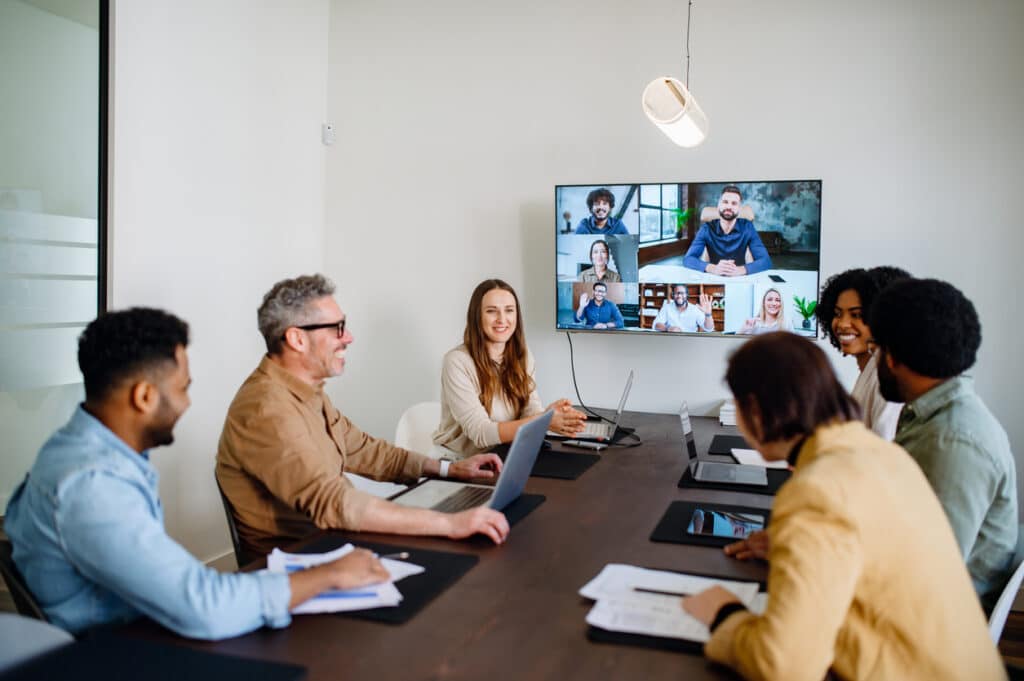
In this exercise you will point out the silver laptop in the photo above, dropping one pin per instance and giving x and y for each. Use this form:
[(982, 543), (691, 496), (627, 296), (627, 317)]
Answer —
[(601, 430), (714, 471), (452, 497)]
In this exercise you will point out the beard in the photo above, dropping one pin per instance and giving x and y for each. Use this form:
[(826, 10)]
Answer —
[(161, 430), (888, 386), (727, 214)]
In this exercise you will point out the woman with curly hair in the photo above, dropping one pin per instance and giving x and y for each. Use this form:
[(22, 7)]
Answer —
[(487, 385), (843, 310)]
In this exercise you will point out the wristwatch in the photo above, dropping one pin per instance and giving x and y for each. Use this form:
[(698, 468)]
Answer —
[(445, 465)]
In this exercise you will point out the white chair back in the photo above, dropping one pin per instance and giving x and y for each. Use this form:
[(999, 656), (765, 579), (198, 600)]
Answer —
[(414, 432), (416, 428), (997, 620)]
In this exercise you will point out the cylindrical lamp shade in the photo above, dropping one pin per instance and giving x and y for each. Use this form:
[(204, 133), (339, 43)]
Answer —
[(671, 107)]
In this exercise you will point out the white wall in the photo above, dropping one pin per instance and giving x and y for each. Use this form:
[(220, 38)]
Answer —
[(457, 118), (218, 191)]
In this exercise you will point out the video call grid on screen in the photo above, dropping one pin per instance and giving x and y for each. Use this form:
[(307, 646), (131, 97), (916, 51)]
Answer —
[(651, 245)]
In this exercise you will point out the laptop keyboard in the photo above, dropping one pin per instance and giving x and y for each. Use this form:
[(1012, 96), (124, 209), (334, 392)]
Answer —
[(467, 497), (597, 429)]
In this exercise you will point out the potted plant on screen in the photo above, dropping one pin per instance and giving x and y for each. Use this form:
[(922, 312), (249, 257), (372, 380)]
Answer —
[(806, 309)]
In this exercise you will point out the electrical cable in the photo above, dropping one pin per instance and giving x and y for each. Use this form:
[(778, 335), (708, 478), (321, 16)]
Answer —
[(626, 432)]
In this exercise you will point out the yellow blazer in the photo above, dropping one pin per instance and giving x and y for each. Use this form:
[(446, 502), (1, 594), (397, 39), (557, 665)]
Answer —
[(865, 576)]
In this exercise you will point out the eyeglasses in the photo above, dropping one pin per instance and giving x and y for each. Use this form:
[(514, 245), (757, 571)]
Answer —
[(338, 326)]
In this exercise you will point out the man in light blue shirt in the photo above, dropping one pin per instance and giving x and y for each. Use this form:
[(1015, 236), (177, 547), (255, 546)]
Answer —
[(928, 334), (87, 523), (599, 313), (678, 316)]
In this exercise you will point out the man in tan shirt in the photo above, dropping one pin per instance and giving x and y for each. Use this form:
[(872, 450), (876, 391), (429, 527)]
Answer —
[(285, 447)]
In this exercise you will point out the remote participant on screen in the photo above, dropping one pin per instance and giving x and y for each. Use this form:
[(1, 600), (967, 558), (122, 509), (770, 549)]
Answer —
[(728, 240), (487, 386), (772, 316), (600, 221), (678, 316), (599, 313), (600, 271)]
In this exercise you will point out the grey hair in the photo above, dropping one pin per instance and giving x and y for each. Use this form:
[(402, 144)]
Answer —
[(286, 304)]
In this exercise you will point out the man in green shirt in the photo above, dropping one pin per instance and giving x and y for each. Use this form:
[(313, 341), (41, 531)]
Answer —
[(928, 334)]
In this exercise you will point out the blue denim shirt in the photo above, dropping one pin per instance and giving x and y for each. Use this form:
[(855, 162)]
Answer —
[(732, 246), (89, 539), (605, 313)]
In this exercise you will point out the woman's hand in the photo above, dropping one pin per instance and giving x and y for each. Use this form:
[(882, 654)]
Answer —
[(704, 606), (756, 545), (565, 420)]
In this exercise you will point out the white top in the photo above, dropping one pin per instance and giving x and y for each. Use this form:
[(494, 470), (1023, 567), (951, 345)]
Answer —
[(690, 319), (466, 428), (879, 415)]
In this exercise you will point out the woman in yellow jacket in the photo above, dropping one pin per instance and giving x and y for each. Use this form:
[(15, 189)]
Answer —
[(865, 577)]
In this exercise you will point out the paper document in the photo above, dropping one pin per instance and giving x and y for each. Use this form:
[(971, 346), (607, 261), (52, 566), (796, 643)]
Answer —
[(620, 607), (372, 596), (618, 581), (752, 457)]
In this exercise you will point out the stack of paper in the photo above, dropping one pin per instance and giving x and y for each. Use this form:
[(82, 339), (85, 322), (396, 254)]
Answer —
[(372, 596), (621, 607), (727, 414), (752, 457)]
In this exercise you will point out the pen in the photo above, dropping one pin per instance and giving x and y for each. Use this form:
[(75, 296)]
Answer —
[(660, 592), (401, 555)]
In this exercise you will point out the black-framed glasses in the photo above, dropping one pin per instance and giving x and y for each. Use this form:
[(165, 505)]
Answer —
[(339, 326)]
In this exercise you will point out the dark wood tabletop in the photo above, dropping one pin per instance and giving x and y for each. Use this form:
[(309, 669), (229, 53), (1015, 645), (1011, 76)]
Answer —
[(517, 613)]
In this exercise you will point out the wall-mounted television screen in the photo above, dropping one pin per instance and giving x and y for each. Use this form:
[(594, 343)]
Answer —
[(718, 258)]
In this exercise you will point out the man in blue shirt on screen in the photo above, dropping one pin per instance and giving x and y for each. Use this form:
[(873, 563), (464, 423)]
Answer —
[(728, 240), (600, 221), (87, 524), (599, 313)]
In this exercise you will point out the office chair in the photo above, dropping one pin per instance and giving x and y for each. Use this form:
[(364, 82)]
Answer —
[(997, 620), (24, 601), (416, 428), (242, 556)]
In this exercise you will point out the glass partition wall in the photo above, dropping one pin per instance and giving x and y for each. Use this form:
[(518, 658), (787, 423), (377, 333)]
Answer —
[(52, 214)]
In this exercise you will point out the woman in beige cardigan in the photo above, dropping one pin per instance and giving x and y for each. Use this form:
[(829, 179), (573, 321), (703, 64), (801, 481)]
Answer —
[(865, 577), (487, 386)]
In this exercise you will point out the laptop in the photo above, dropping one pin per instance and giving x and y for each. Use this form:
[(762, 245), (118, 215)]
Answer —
[(714, 471), (451, 497), (601, 430)]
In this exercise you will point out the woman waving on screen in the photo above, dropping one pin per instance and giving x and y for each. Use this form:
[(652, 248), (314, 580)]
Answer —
[(487, 385)]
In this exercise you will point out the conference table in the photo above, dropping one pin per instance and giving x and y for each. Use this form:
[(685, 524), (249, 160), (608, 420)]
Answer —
[(517, 613)]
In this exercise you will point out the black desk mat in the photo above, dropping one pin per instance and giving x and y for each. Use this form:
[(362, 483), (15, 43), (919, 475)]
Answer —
[(551, 464), (105, 656), (562, 465), (672, 526), (724, 444), (776, 477), (443, 569)]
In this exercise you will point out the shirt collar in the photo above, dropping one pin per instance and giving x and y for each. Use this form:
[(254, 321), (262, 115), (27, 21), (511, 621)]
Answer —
[(939, 396), (794, 453), (302, 390), (85, 422)]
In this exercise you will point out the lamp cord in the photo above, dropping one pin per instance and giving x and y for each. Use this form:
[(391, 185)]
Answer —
[(689, 6)]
